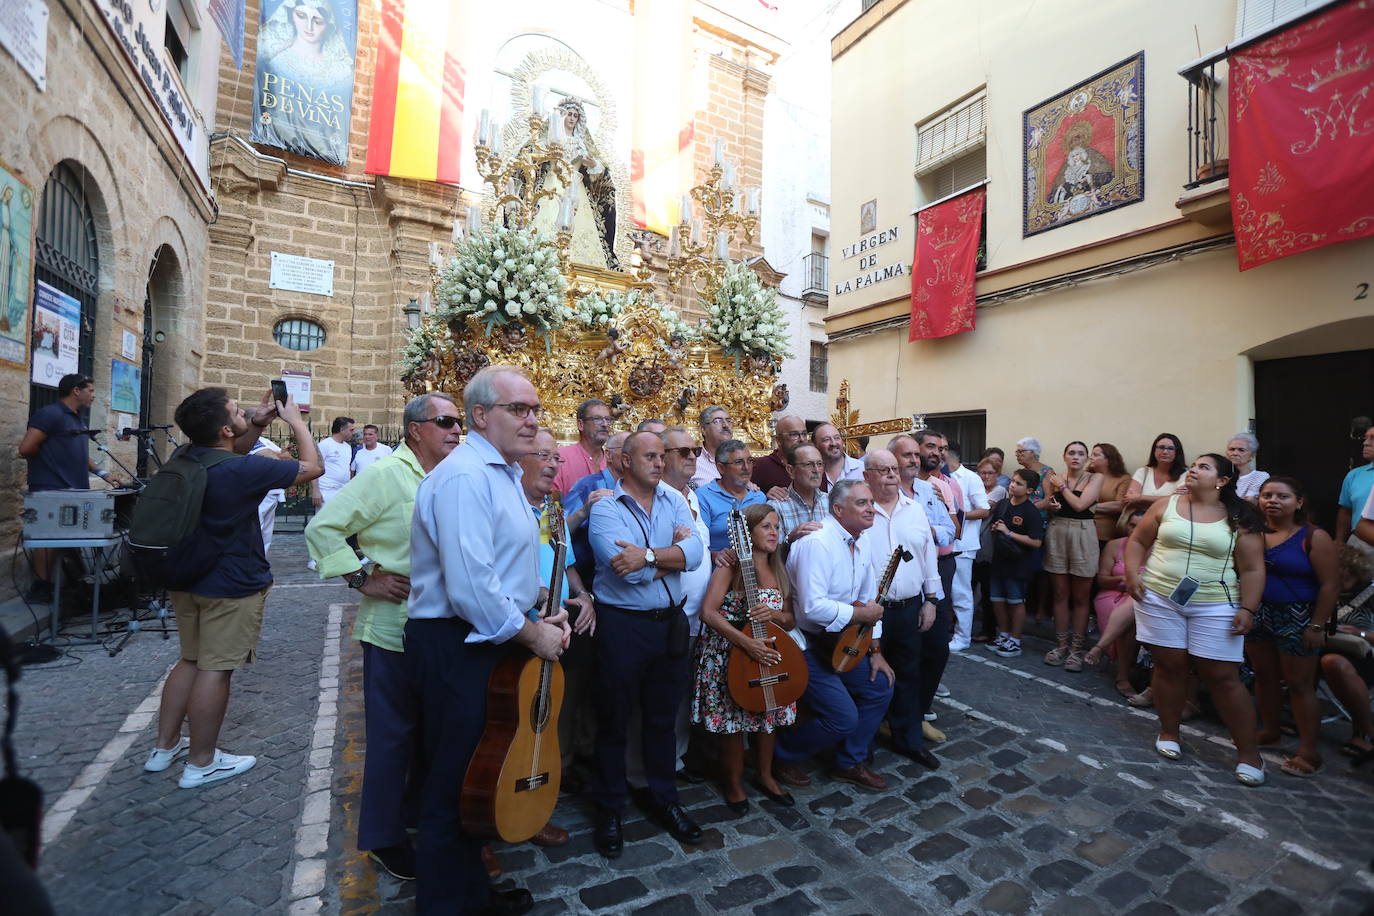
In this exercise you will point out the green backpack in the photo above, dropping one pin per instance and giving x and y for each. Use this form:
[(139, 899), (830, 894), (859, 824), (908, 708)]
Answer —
[(166, 520)]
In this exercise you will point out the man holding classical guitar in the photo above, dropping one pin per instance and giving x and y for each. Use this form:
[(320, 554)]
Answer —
[(909, 611), (836, 587), (474, 575), (643, 537)]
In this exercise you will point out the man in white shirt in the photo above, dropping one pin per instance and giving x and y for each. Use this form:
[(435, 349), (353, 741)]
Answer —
[(716, 429), (337, 455), (833, 575), (371, 452), (839, 464), (267, 509), (909, 608), (975, 509)]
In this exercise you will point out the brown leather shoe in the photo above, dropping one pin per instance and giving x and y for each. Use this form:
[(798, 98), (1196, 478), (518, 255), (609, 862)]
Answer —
[(861, 775), (489, 860), (551, 835), (789, 774)]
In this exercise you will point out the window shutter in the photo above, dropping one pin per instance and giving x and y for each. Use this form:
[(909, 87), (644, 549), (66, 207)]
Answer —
[(1254, 17), (951, 134)]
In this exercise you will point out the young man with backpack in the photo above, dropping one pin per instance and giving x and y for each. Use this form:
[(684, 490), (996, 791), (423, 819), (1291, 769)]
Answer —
[(204, 506)]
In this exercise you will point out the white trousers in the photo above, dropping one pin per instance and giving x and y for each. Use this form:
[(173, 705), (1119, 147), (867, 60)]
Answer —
[(963, 601)]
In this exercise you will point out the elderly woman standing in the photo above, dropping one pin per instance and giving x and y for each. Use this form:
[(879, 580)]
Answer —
[(1028, 456), (1161, 474), (1241, 449), (1196, 600)]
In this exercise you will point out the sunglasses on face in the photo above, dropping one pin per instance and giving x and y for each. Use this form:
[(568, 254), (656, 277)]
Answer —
[(445, 422), (686, 451)]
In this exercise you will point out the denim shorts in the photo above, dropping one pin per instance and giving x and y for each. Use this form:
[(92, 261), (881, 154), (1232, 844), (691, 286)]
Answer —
[(1007, 589)]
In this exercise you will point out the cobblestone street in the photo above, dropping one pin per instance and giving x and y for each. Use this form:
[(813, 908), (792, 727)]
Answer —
[(1049, 799)]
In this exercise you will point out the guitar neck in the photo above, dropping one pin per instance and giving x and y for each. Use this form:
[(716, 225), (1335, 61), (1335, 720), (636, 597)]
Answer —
[(1347, 610), (890, 573), (560, 561), (751, 593)]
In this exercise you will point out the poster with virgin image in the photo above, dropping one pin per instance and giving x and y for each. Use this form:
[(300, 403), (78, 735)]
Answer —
[(303, 89), (56, 334)]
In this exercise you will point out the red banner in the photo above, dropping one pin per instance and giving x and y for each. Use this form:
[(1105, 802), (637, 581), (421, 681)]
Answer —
[(1302, 136), (942, 297)]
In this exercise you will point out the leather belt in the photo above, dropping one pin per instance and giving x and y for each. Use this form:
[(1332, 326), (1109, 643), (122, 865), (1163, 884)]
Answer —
[(657, 614)]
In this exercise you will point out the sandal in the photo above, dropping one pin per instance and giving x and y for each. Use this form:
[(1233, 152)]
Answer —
[(1074, 663), (1247, 775), (1300, 767), (1094, 657), (1169, 750), (1143, 700), (1057, 655), (1126, 689), (1357, 745)]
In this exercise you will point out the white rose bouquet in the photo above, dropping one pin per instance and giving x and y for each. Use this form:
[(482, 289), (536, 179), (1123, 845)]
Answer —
[(745, 318), (498, 275)]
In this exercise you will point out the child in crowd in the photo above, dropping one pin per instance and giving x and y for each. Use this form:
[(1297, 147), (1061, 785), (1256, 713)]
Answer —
[(1017, 530)]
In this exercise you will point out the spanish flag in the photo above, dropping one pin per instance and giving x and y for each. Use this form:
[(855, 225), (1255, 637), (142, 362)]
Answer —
[(417, 92), (661, 166)]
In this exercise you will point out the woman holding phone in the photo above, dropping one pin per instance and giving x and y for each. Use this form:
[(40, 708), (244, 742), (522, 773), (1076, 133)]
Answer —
[(1196, 599)]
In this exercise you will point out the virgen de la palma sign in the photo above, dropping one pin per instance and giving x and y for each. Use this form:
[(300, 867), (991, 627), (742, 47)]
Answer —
[(865, 250)]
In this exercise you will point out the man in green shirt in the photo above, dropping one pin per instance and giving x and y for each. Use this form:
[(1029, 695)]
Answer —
[(377, 507)]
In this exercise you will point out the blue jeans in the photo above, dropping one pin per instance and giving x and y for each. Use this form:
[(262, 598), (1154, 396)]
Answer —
[(846, 710)]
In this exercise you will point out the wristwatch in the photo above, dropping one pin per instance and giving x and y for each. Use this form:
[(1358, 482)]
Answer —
[(649, 558), (358, 579)]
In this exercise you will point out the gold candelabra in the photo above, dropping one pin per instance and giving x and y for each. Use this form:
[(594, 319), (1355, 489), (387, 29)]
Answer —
[(699, 246), (535, 170)]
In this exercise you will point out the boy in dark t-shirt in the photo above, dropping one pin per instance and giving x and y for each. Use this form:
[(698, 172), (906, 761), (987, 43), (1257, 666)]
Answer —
[(1017, 531)]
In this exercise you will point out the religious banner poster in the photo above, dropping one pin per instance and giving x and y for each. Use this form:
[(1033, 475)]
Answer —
[(16, 266), (416, 123), (303, 90), (229, 16), (125, 385), (56, 334), (661, 163), (942, 271), (1085, 149), (1302, 136)]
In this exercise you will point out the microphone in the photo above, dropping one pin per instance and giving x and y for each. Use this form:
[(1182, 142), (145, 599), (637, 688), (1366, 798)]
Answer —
[(87, 432)]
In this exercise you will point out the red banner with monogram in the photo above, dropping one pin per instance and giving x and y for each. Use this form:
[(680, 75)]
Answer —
[(942, 297), (1302, 136)]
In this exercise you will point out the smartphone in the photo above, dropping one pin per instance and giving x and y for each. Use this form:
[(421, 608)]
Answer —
[(279, 394), (1184, 591)]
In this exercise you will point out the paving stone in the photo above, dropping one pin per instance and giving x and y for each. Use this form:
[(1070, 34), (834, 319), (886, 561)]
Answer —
[(1239, 859), (960, 750), (1161, 860), (931, 787), (1078, 906), (612, 893), (1200, 833), (760, 855), (834, 894), (787, 818), (1115, 795), (1103, 848), (1031, 805), (793, 903), (990, 862), (850, 825), (880, 841), (700, 872), (1153, 908), (711, 840), (1303, 878), (571, 874), (1059, 875), (1010, 782), (1061, 787), (938, 815), (1123, 887), (1044, 837), (1007, 897), (1053, 766), (835, 801), (1140, 824), (739, 892), (1194, 892), (951, 887), (996, 736), (971, 772), (987, 827), (938, 848), (796, 875), (678, 905), (1006, 757), (979, 798), (830, 851), (756, 828), (1270, 902), (884, 808), (635, 856), (1081, 814)]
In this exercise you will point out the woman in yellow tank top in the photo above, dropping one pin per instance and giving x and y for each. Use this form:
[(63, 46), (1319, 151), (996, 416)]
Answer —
[(1196, 599)]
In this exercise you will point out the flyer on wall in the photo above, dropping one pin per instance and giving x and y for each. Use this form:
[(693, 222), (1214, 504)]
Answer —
[(56, 334)]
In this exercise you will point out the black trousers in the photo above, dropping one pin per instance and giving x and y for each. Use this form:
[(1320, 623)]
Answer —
[(632, 661), (902, 644), (451, 678)]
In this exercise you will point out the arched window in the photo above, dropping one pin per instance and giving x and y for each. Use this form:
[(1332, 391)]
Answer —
[(298, 334), (68, 259)]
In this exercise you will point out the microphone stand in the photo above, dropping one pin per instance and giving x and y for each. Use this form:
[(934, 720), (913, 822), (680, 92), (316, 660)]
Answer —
[(100, 447)]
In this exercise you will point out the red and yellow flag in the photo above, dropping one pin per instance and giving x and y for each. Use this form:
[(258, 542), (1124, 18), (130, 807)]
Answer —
[(417, 92), (664, 124)]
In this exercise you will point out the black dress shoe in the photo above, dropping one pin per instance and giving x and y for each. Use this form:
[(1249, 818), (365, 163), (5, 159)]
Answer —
[(783, 798), (924, 757), (511, 902), (691, 776), (675, 820), (608, 837), (397, 861), (740, 807)]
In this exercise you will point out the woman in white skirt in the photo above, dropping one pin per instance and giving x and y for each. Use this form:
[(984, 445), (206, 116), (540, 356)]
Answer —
[(1196, 600)]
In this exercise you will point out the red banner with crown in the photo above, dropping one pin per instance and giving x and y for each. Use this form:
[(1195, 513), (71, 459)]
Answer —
[(1302, 136), (942, 296)]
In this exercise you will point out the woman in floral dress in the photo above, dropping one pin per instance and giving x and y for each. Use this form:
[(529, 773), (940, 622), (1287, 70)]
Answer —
[(726, 617)]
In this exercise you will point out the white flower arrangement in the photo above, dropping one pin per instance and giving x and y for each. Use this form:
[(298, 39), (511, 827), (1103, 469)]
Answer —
[(420, 343), (745, 318), (498, 275), (597, 310)]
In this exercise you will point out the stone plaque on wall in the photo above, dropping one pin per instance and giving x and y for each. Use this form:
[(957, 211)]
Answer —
[(302, 275)]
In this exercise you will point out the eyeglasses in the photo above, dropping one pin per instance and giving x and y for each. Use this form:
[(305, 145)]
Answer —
[(739, 463), (598, 421), (723, 421), (1165, 447), (443, 422), (810, 465), (795, 435), (884, 472), (549, 457), (686, 451), (521, 411)]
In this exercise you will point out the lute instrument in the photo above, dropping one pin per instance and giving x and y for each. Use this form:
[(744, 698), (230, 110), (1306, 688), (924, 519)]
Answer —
[(512, 782), (754, 686), (1349, 644), (853, 642)]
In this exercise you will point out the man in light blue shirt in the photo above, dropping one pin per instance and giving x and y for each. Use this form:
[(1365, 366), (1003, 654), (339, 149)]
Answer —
[(1355, 493), (643, 537), (729, 491), (474, 551)]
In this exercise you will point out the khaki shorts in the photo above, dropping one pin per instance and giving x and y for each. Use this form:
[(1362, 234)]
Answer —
[(1071, 547), (218, 634)]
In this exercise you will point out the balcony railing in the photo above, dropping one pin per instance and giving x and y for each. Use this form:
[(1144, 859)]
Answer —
[(820, 373), (1207, 146), (815, 271)]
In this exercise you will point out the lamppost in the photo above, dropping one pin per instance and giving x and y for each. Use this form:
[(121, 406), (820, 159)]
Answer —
[(412, 313)]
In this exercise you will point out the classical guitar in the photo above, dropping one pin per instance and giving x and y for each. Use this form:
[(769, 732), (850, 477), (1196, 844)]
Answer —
[(511, 786), (852, 643), (1349, 644), (754, 686)]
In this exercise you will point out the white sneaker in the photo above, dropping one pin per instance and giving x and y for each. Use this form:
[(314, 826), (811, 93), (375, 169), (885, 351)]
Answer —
[(942, 691), (310, 565), (930, 717), (222, 766), (160, 759)]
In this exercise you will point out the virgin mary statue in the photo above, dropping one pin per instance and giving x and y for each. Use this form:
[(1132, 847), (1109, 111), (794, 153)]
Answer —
[(594, 217)]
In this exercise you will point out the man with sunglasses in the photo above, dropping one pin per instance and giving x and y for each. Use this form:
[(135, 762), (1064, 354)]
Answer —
[(588, 454), (728, 492), (770, 471), (379, 515), (716, 429)]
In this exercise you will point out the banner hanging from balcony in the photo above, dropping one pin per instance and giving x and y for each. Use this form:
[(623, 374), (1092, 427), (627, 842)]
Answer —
[(1085, 149), (303, 90), (1302, 137), (942, 295), (661, 167), (417, 91)]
